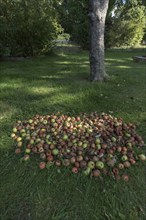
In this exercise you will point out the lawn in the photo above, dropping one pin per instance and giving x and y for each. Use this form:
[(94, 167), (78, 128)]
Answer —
[(60, 83)]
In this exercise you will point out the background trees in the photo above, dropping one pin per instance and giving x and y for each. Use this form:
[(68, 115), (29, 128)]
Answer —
[(127, 26), (125, 22), (73, 18), (27, 27)]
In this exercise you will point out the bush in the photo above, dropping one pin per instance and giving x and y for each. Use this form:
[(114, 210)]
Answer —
[(28, 28)]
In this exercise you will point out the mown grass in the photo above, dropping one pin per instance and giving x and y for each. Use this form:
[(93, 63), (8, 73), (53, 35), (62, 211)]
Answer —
[(60, 83)]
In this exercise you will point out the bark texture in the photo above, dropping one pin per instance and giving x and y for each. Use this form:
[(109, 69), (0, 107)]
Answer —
[(97, 16)]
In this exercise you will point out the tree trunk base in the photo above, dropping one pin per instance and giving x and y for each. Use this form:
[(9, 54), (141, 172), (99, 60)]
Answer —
[(100, 80), (106, 77)]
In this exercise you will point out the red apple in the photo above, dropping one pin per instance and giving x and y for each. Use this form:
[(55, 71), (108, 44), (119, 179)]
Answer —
[(42, 165), (125, 177), (75, 170), (17, 151), (96, 173)]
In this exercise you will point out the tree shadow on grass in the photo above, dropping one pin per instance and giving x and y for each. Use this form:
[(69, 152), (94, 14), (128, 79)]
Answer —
[(57, 65), (33, 87), (27, 101)]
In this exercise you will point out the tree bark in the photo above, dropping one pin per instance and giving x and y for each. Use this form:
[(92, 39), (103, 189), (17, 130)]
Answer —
[(97, 16)]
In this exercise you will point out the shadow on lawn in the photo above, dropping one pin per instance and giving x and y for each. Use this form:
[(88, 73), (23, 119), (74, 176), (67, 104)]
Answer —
[(59, 98), (58, 62), (60, 76)]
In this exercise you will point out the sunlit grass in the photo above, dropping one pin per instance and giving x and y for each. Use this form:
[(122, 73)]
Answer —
[(41, 90), (55, 83)]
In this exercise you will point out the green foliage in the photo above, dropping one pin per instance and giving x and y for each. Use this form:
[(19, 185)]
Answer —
[(74, 20), (127, 27), (27, 27)]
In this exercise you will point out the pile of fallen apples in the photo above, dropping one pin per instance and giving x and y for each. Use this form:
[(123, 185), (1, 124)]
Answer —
[(94, 144)]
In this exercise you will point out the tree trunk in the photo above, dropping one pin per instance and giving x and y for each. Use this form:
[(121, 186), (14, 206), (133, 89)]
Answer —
[(97, 16)]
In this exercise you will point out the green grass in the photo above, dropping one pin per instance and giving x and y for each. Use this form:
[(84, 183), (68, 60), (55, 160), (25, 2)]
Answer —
[(60, 83)]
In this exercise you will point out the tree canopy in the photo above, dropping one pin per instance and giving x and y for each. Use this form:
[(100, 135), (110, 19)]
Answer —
[(29, 28)]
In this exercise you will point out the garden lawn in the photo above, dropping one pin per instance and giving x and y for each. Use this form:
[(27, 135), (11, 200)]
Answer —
[(60, 83)]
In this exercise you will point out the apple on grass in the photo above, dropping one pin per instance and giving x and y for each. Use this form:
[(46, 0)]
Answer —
[(26, 157), (124, 158), (127, 164), (49, 164), (55, 152), (75, 142), (125, 177), (13, 135), (96, 173), (23, 135), (65, 137), (45, 122), (52, 120), (19, 139), (97, 141), (80, 143), (113, 139), (99, 164), (121, 166), (127, 135), (91, 165), (85, 145), (30, 121), (27, 150), (14, 130), (17, 151), (58, 163), (42, 165), (19, 144), (98, 146), (142, 157), (87, 171), (75, 170)]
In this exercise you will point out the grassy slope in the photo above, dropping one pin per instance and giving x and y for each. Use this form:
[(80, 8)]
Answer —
[(60, 83)]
